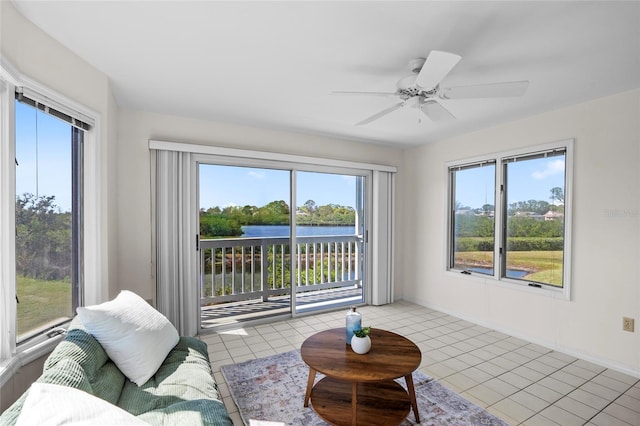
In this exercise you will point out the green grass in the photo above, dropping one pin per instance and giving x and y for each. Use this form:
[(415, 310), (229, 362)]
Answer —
[(41, 301), (543, 266)]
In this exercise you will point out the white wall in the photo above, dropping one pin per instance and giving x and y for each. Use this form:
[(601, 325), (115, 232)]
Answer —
[(40, 58), (606, 247), (134, 191)]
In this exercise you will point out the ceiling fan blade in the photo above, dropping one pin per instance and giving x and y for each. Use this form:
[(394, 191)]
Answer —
[(436, 68), (344, 92), (380, 114), (436, 112), (494, 90)]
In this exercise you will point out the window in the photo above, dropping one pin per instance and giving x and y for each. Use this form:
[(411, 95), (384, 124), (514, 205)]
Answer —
[(48, 216), (473, 230), (524, 238), (533, 237), (51, 216)]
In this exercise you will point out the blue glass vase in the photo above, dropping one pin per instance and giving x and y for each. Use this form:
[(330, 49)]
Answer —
[(354, 322)]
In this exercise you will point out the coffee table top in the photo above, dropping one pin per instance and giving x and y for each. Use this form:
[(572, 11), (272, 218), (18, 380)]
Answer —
[(391, 356)]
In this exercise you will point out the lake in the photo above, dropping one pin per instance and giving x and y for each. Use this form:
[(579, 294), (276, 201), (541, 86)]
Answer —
[(254, 231), (511, 273)]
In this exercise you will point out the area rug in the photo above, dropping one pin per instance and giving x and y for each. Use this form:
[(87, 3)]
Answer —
[(270, 391)]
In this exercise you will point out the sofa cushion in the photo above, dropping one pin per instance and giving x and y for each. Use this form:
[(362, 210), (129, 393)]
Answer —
[(182, 391), (136, 337), (57, 405), (80, 362)]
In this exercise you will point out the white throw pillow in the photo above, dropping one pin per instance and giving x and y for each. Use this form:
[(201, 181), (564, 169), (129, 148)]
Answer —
[(56, 405), (136, 337)]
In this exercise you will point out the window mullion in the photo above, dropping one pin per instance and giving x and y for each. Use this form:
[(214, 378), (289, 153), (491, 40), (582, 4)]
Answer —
[(77, 138), (501, 221), (497, 215)]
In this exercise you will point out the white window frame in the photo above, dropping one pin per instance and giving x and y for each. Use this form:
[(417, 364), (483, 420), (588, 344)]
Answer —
[(500, 199), (16, 355)]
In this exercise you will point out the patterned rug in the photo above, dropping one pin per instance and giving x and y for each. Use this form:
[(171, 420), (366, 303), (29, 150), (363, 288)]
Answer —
[(270, 391)]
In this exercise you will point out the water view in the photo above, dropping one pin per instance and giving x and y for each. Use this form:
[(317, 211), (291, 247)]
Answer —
[(511, 273), (271, 231)]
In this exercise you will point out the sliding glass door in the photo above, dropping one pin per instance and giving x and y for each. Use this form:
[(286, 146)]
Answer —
[(258, 257), (329, 237)]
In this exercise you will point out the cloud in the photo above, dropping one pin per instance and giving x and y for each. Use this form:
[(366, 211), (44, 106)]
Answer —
[(257, 175), (553, 168)]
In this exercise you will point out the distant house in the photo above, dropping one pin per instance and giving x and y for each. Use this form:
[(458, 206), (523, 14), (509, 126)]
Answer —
[(531, 215), (550, 215), (489, 213)]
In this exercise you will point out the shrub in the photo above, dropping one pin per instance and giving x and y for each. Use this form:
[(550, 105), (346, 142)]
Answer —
[(535, 244), (513, 244), (474, 244)]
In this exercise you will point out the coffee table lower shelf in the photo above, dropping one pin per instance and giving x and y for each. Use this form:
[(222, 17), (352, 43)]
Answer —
[(377, 403)]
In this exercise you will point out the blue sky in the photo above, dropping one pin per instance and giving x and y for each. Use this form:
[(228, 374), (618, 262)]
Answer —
[(527, 180), (223, 186), (45, 141)]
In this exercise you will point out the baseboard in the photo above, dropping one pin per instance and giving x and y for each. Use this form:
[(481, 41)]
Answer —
[(551, 345)]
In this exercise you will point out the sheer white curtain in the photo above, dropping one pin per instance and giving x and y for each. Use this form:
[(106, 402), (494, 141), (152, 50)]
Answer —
[(176, 262), (382, 238)]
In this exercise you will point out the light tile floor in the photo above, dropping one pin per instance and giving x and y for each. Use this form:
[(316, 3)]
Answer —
[(518, 381)]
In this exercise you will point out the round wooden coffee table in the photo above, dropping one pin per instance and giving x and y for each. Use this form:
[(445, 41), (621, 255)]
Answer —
[(360, 389)]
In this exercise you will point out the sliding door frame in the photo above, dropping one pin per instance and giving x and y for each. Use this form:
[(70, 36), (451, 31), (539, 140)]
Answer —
[(293, 169), (205, 154)]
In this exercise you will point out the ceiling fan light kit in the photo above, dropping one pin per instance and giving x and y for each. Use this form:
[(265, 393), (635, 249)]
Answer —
[(422, 88)]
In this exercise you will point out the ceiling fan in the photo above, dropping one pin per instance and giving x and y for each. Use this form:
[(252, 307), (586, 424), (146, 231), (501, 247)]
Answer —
[(422, 88)]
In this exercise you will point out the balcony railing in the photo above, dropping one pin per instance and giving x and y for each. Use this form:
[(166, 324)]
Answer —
[(236, 269)]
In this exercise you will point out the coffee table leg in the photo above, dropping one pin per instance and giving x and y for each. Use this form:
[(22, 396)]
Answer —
[(354, 403), (312, 378), (412, 395)]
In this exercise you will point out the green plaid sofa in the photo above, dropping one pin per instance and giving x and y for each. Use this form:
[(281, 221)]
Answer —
[(183, 388)]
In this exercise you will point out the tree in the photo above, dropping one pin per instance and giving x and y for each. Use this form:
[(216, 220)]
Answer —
[(310, 206), (249, 210), (274, 213), (531, 206), (216, 222), (460, 206), (557, 194), (279, 207), (474, 226), (43, 238), (218, 226), (487, 208)]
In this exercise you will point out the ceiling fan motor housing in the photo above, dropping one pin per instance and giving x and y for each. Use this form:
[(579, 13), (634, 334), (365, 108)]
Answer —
[(407, 88), (415, 65)]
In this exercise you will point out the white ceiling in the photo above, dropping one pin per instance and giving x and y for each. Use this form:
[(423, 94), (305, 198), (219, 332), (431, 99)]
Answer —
[(274, 64)]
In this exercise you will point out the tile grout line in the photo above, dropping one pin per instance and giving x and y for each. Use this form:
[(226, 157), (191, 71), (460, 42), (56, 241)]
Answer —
[(549, 404), (460, 333), (612, 402)]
